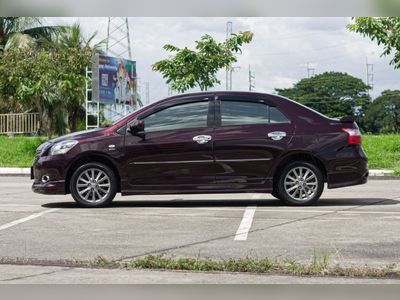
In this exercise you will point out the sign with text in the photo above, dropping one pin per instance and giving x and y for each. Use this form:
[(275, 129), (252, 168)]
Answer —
[(114, 80)]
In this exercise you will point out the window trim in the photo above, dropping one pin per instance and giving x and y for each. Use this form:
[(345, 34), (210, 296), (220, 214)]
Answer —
[(163, 106), (218, 117)]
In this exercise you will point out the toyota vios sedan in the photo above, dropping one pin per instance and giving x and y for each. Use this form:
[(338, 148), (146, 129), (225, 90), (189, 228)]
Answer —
[(211, 142)]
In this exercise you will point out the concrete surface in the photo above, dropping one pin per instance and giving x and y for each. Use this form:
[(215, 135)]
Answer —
[(355, 225), (59, 275)]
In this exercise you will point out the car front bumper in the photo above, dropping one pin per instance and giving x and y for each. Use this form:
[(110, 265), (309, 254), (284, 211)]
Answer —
[(51, 187), (54, 169)]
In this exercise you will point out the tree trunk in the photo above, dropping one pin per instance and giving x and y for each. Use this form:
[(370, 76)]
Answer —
[(42, 115), (73, 120), (49, 124)]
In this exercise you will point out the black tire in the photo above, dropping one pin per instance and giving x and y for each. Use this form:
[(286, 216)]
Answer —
[(275, 194), (301, 189), (96, 186)]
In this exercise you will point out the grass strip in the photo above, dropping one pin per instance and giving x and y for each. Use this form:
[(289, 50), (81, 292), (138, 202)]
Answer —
[(383, 151), (18, 152), (318, 266)]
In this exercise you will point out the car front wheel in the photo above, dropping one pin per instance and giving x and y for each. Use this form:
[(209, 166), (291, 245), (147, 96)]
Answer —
[(93, 185), (300, 183)]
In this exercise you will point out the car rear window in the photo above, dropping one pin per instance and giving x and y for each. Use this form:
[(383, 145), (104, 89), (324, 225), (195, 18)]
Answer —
[(247, 113)]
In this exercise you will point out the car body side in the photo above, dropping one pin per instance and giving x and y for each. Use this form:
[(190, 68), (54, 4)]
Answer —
[(313, 138)]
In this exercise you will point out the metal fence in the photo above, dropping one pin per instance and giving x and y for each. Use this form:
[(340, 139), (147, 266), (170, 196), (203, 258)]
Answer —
[(19, 123)]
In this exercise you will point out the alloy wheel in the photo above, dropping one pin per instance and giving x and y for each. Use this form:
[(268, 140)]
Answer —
[(301, 184), (93, 185)]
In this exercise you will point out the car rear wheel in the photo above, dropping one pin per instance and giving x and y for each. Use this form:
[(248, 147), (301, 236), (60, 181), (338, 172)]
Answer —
[(93, 185), (300, 183)]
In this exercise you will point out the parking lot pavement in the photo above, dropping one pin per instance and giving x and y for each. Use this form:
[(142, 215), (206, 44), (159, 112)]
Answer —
[(355, 225)]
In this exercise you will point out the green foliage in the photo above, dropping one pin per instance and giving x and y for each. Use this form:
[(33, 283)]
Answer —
[(190, 68), (9, 26), (49, 79), (334, 94), (383, 151), (73, 85), (18, 151), (383, 114), (384, 30)]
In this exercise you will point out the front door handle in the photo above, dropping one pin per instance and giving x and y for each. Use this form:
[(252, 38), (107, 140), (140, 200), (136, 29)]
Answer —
[(202, 139), (277, 135)]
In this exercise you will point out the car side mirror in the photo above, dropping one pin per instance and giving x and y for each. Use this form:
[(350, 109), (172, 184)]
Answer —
[(137, 129)]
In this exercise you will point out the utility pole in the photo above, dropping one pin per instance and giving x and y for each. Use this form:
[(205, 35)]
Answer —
[(252, 80), (310, 70), (147, 85), (370, 74), (228, 80), (170, 91)]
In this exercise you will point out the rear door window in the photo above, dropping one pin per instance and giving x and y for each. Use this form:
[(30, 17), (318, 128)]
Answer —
[(249, 113), (276, 116), (243, 113)]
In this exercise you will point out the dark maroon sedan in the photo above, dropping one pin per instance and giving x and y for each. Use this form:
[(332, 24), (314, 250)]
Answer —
[(213, 142)]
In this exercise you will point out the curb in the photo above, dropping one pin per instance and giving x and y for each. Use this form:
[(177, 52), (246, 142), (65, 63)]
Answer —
[(15, 171)]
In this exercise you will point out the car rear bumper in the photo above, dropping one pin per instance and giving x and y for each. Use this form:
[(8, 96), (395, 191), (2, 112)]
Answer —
[(352, 179), (350, 168)]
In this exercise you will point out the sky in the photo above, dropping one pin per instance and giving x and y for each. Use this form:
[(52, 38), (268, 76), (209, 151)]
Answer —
[(278, 55)]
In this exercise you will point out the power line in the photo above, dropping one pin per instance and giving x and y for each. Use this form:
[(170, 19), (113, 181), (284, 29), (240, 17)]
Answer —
[(290, 37), (307, 50)]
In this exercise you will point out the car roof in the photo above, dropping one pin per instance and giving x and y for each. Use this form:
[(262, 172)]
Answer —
[(219, 93)]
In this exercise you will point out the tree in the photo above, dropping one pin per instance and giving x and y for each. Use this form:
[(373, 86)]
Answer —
[(73, 88), (384, 30), (190, 68), (334, 94), (383, 114), (23, 32), (40, 78)]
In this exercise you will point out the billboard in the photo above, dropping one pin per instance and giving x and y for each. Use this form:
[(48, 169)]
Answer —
[(114, 80)]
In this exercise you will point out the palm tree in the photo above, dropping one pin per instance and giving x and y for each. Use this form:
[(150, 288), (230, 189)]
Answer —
[(17, 32), (73, 37)]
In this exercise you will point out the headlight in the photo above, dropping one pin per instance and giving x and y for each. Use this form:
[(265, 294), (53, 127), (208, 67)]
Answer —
[(63, 147)]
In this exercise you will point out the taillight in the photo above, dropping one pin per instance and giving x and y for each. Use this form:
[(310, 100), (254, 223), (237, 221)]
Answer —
[(353, 136)]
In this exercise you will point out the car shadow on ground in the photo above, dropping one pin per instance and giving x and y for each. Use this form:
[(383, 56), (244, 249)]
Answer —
[(231, 203)]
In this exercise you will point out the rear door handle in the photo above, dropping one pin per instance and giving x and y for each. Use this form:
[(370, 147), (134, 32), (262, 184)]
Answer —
[(202, 139), (277, 135)]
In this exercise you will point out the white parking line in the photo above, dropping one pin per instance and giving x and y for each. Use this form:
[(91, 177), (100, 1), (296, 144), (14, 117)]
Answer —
[(28, 218), (247, 220)]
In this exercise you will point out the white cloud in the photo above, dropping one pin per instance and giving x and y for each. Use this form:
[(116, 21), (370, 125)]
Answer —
[(278, 54)]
